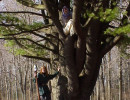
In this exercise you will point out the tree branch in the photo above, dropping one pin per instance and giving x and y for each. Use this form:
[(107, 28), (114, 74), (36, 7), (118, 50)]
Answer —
[(44, 47), (26, 31), (110, 45), (45, 38), (87, 22), (54, 16), (55, 37), (39, 58), (28, 12), (34, 33), (105, 3), (21, 45), (7, 25), (31, 4), (76, 16), (128, 10)]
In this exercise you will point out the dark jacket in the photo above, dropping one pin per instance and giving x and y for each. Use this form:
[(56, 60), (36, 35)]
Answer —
[(42, 82)]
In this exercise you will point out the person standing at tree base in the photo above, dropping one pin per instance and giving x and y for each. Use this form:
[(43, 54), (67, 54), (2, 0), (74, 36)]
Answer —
[(43, 77)]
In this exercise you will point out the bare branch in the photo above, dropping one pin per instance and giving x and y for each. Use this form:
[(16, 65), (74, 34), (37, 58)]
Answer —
[(7, 25), (55, 37), (87, 22), (18, 12), (44, 37), (19, 44), (47, 39), (44, 47)]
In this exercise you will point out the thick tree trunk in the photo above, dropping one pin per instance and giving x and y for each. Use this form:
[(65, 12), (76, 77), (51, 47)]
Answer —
[(79, 86), (85, 56), (72, 86)]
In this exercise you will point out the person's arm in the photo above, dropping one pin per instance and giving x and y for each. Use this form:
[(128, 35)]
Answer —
[(54, 75), (68, 27)]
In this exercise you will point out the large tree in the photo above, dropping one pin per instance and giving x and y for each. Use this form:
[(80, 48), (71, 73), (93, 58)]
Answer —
[(80, 54)]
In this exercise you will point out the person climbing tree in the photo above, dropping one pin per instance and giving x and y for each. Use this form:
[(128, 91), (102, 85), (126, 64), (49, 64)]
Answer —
[(43, 77), (67, 21), (66, 15)]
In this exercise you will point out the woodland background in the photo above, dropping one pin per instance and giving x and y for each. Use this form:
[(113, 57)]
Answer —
[(16, 72)]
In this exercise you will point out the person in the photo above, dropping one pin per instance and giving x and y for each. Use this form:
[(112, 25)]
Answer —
[(66, 15), (43, 77), (67, 21)]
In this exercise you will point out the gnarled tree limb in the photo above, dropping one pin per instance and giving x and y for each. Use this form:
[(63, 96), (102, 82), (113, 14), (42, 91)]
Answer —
[(39, 58), (25, 31), (54, 16), (110, 45), (76, 16), (27, 12)]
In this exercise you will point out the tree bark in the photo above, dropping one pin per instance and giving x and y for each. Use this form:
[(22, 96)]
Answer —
[(109, 76), (98, 89), (120, 79), (85, 56), (31, 83), (102, 81), (15, 73)]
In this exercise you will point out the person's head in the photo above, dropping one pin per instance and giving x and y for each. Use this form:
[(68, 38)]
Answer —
[(43, 70), (65, 10)]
